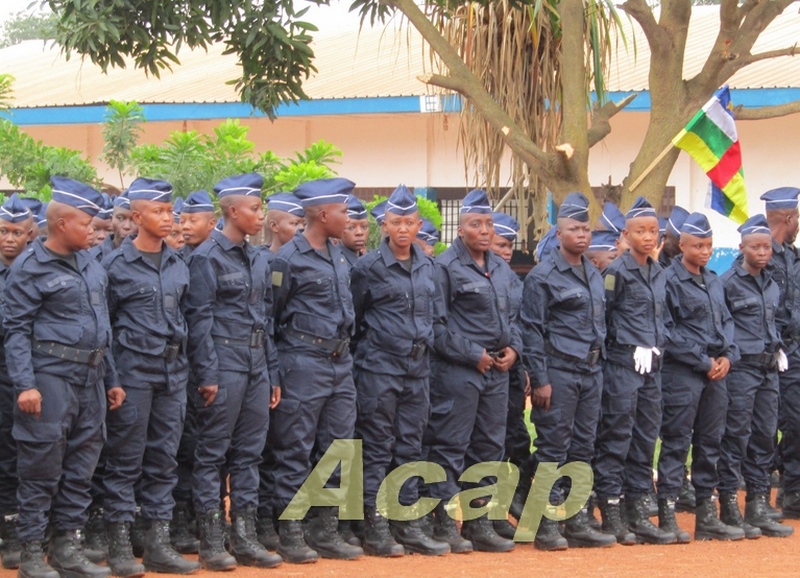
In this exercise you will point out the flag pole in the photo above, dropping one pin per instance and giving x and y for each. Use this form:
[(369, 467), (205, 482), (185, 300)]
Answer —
[(651, 166)]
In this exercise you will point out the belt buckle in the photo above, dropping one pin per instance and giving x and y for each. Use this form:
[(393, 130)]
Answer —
[(95, 357), (594, 356), (171, 352), (257, 339), (417, 351), (341, 348)]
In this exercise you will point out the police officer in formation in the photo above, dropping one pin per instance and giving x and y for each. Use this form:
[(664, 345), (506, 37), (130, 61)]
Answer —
[(155, 334)]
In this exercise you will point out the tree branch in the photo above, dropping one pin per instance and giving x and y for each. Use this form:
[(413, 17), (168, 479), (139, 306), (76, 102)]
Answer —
[(600, 127), (468, 85), (766, 112), (643, 14), (790, 51)]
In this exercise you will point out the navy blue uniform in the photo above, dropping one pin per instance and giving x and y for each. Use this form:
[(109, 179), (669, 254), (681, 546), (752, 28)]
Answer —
[(563, 332), (694, 406), (518, 439), (350, 256), (146, 309), (473, 313), (748, 443), (8, 450), (314, 320), (394, 314), (53, 309), (631, 402), (227, 310), (104, 249)]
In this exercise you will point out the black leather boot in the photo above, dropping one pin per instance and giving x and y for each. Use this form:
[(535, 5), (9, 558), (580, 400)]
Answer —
[(707, 526), (612, 521), (32, 564), (378, 539), (483, 537), (183, 529), (265, 530), (292, 547), (755, 514), (66, 557), (213, 555), (322, 534), (160, 556), (668, 523), (730, 515), (638, 514), (790, 505), (120, 554), (445, 530), (414, 540), (580, 534), (95, 541), (10, 549), (138, 535), (548, 538), (245, 546)]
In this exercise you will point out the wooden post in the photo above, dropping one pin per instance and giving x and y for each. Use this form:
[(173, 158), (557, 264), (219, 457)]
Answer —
[(651, 166)]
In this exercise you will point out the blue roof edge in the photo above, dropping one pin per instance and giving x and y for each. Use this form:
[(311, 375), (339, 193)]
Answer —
[(90, 114)]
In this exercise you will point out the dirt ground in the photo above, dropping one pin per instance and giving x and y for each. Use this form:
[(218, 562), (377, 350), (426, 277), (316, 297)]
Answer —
[(750, 558)]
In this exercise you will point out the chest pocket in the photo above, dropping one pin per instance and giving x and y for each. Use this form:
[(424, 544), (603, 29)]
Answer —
[(639, 293), (392, 298), (694, 307), (476, 296), (748, 303), (319, 287), (235, 284)]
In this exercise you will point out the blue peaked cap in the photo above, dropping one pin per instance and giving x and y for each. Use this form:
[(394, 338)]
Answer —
[(144, 189), (324, 191), (76, 194), (198, 202), (697, 225), (505, 225)]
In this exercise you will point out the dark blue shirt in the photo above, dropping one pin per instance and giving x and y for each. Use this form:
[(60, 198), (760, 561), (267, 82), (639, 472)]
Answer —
[(312, 295), (564, 307), (104, 249), (473, 309), (46, 299), (350, 256), (753, 302), (3, 278), (145, 305), (394, 311), (699, 323), (635, 303), (229, 301), (784, 269)]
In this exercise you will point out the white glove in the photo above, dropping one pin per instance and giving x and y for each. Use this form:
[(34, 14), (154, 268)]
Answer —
[(643, 359), (783, 361)]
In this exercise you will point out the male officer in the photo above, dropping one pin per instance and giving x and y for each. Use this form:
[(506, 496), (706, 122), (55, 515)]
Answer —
[(122, 226), (782, 216), (16, 224), (33, 205), (285, 217), (314, 320), (427, 236), (58, 340), (748, 443), (672, 236), (631, 401), (476, 342), (175, 238), (147, 287), (41, 221), (197, 222), (602, 249), (697, 359), (392, 291), (563, 332), (356, 232), (227, 310), (101, 223), (518, 439)]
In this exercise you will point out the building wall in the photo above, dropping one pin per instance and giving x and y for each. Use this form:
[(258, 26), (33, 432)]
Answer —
[(383, 150)]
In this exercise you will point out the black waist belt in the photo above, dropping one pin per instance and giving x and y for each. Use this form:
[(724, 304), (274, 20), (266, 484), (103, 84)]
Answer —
[(418, 350), (91, 357), (592, 358), (764, 360), (335, 347), (256, 340), (171, 351)]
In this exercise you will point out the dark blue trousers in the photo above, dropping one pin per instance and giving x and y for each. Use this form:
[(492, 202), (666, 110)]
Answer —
[(392, 415), (231, 430), (143, 437), (318, 405), (748, 444), (9, 481), (789, 422), (467, 424), (56, 455), (626, 436), (694, 410), (518, 439)]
